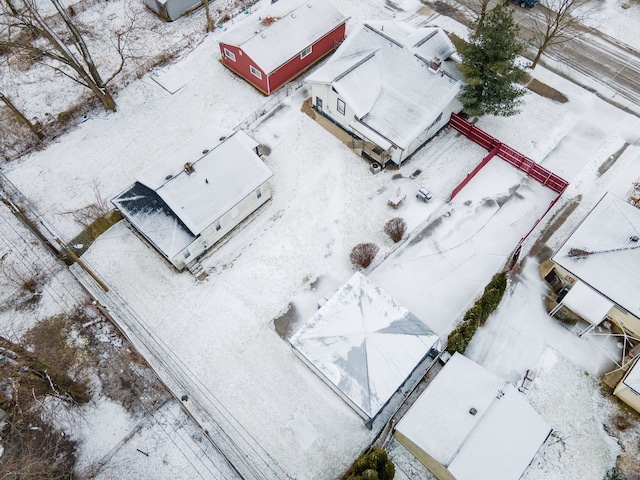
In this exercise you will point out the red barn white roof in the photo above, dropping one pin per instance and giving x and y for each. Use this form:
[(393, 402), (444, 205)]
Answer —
[(273, 35)]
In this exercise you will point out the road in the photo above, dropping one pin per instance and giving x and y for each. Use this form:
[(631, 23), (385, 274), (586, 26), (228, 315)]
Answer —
[(603, 64)]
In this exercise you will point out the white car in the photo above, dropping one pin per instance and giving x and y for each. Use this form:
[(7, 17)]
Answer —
[(423, 194)]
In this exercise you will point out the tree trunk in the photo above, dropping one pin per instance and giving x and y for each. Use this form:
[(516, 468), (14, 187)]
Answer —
[(21, 117), (207, 13)]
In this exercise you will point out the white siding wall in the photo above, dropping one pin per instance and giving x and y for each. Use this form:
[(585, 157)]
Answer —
[(228, 222), (454, 106), (330, 105)]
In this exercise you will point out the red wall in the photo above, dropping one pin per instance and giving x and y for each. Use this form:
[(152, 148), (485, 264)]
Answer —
[(288, 70), (241, 67), (296, 65)]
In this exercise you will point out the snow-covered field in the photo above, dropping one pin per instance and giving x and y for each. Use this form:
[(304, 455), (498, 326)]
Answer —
[(326, 201)]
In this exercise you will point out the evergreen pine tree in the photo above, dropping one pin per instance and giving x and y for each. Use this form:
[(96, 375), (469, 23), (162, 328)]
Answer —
[(488, 63)]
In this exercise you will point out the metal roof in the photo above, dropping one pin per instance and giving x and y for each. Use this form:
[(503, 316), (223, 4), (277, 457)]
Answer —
[(274, 34), (499, 440), (603, 254), (364, 344), (388, 84), (153, 218), (171, 207)]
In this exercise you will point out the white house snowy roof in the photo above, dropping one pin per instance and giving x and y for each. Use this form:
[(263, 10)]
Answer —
[(171, 207), (364, 344), (499, 440), (587, 303), (387, 80), (604, 252), (276, 33)]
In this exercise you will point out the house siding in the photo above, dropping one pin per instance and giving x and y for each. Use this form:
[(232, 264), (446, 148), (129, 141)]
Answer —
[(628, 396), (210, 236), (242, 66)]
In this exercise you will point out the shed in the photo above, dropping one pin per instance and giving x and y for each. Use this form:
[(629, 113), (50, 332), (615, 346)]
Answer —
[(470, 424), (171, 10), (391, 86), (600, 260), (278, 42), (193, 196), (364, 345)]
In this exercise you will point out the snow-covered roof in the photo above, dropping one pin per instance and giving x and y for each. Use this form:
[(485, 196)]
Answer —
[(364, 343), (587, 303), (632, 378), (171, 207), (604, 253), (276, 33), (382, 71), (498, 441)]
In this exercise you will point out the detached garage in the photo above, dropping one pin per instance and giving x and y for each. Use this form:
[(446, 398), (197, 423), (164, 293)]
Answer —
[(364, 345), (278, 42), (470, 424)]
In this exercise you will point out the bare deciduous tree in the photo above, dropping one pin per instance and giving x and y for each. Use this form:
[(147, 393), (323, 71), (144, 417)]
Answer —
[(557, 22), (35, 129), (57, 42)]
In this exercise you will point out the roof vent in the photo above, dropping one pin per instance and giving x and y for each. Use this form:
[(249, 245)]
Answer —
[(188, 167), (168, 177), (473, 411), (635, 238), (268, 20), (435, 63), (222, 139), (205, 151), (293, 15), (308, 5)]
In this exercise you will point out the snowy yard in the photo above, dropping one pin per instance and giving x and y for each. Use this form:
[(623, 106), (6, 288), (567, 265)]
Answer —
[(221, 331)]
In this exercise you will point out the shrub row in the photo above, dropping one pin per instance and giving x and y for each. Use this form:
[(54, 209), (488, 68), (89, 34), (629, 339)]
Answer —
[(371, 466), (477, 315)]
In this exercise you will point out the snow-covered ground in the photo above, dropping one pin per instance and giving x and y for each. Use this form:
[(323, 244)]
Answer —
[(326, 201)]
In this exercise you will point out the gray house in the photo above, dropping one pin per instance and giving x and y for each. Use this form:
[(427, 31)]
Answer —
[(192, 197), (391, 86), (170, 10)]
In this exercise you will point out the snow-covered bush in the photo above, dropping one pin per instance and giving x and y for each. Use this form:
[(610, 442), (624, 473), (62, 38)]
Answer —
[(363, 254)]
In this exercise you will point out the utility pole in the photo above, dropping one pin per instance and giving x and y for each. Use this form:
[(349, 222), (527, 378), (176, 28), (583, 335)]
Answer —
[(83, 265)]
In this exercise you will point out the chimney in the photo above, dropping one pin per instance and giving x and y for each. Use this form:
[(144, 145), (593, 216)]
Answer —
[(188, 167), (435, 63)]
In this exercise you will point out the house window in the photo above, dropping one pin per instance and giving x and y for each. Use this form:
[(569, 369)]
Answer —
[(305, 52), (258, 193), (341, 107), (230, 55), (217, 225), (255, 71)]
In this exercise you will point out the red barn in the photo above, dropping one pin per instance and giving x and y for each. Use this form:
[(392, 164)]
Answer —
[(277, 43)]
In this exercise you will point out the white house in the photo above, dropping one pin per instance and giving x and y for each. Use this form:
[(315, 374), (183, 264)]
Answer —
[(391, 86), (364, 345), (470, 424), (192, 197), (599, 262)]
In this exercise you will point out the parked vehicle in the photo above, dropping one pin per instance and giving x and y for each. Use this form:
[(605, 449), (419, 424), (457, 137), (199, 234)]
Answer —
[(526, 3), (423, 194)]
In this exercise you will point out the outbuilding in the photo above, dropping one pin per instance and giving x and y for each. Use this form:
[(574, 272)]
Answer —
[(470, 424), (278, 42), (364, 345), (193, 196), (391, 86), (171, 10)]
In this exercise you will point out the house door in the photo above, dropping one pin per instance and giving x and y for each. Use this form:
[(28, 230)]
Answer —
[(319, 104)]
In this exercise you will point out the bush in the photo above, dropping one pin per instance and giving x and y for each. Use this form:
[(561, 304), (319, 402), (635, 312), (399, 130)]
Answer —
[(372, 466), (395, 228), (613, 474), (477, 315), (363, 254)]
